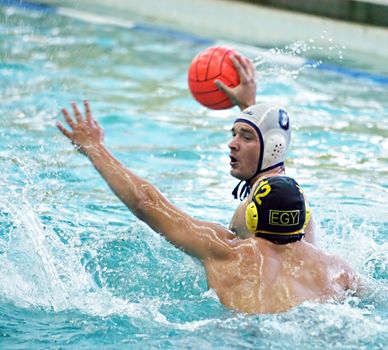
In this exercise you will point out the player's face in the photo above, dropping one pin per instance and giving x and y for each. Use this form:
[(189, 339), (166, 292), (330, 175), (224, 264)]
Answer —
[(244, 151)]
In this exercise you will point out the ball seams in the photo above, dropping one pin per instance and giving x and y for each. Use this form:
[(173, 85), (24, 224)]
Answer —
[(210, 65)]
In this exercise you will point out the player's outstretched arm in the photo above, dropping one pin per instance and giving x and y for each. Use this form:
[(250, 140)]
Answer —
[(244, 94), (199, 238)]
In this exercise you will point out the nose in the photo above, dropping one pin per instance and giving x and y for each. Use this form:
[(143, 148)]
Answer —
[(233, 144)]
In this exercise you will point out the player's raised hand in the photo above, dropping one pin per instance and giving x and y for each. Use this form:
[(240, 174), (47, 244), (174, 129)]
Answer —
[(85, 133), (244, 94)]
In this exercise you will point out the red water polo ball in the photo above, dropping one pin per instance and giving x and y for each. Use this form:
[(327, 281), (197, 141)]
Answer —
[(212, 64)]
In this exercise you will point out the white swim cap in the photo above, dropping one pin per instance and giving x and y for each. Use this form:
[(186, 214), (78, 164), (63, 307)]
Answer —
[(272, 125)]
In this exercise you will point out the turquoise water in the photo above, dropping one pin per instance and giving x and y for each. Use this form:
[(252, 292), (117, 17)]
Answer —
[(78, 271)]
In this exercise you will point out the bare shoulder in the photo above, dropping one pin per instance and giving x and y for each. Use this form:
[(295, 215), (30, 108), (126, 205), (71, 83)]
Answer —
[(342, 271), (211, 240)]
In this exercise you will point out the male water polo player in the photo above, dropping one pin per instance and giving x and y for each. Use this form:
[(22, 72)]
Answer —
[(271, 270), (261, 136)]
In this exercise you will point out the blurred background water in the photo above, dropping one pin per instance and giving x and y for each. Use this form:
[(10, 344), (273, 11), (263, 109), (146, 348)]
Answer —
[(77, 270)]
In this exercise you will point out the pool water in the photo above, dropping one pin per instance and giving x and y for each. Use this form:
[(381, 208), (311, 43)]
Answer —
[(78, 271)]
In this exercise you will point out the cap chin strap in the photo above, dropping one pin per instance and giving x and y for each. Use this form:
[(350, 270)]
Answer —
[(246, 188)]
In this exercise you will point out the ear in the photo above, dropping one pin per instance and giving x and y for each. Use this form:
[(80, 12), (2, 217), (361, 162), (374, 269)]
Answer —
[(275, 148)]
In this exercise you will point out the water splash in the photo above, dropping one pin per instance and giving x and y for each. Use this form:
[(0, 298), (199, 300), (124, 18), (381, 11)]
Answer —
[(38, 270), (290, 61)]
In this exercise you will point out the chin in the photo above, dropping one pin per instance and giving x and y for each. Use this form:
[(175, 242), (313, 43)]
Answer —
[(235, 174)]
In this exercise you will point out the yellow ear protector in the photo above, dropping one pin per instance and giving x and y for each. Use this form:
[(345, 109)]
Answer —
[(252, 221), (278, 208)]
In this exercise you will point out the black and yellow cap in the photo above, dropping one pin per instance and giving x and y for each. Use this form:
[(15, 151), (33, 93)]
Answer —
[(278, 208)]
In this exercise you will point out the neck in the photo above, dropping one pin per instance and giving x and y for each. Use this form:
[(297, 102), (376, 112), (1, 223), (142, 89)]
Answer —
[(280, 170)]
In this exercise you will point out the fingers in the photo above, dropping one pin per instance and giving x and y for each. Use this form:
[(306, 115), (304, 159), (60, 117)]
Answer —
[(237, 62), (68, 118), (88, 112), (222, 86), (251, 67), (78, 116), (227, 90), (77, 113), (64, 131), (244, 67)]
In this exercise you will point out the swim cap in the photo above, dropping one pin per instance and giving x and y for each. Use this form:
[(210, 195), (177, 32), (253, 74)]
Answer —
[(278, 210), (272, 125)]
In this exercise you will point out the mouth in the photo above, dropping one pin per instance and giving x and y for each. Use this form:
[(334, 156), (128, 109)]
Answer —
[(233, 161)]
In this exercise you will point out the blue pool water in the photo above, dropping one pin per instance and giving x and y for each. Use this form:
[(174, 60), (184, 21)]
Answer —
[(78, 271)]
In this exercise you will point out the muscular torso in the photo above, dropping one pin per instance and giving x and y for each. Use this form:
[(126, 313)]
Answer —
[(260, 277)]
